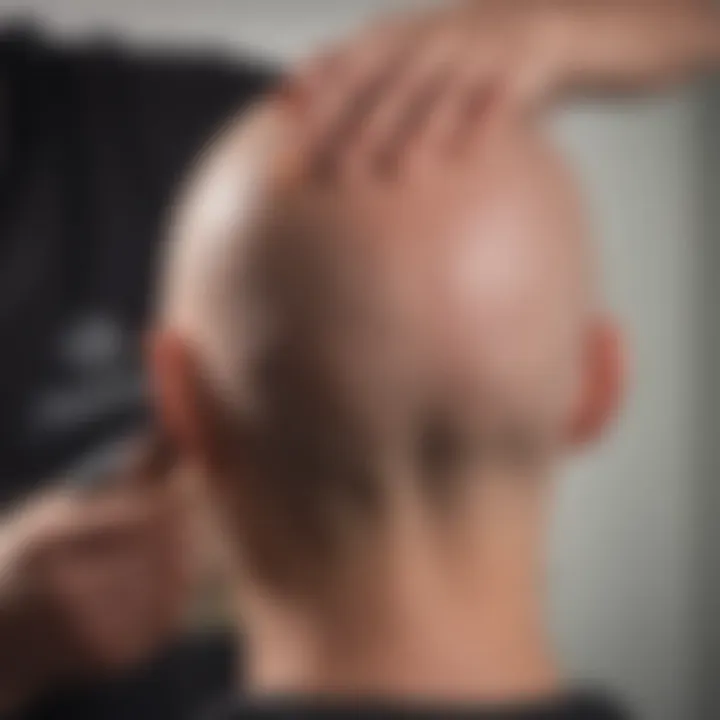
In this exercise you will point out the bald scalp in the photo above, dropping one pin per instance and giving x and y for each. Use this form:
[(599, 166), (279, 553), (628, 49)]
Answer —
[(462, 277), (432, 319)]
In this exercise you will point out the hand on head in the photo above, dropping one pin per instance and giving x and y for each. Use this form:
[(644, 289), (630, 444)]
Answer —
[(533, 53)]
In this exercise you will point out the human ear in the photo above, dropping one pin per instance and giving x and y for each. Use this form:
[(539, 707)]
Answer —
[(603, 382)]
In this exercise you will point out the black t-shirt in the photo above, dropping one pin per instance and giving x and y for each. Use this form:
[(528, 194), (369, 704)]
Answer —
[(93, 142), (195, 679), (580, 706), (179, 684)]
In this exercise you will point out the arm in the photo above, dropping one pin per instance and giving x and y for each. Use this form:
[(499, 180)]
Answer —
[(627, 47)]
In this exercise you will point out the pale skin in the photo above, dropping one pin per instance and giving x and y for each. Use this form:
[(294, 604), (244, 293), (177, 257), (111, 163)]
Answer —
[(525, 55), (433, 255)]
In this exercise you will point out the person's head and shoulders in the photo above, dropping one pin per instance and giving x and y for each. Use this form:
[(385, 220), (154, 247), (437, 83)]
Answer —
[(375, 375)]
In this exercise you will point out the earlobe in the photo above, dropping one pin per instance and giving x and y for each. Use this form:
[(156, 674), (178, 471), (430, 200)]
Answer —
[(604, 379)]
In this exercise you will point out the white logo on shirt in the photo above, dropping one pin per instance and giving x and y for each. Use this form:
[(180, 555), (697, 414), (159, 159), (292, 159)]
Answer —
[(94, 356)]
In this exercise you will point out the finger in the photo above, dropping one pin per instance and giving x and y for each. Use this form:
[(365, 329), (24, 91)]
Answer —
[(124, 600), (475, 109), (345, 107), (469, 97), (74, 520), (410, 101), (356, 59), (310, 77), (110, 604)]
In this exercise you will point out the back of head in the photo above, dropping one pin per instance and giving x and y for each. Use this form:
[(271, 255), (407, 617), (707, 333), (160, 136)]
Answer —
[(375, 340)]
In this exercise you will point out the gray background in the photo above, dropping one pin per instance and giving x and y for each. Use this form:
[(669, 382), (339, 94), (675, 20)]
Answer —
[(630, 598)]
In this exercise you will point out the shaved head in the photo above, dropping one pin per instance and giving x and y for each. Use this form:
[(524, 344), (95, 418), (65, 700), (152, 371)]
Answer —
[(419, 322)]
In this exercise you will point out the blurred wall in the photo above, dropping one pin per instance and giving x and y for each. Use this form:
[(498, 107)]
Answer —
[(710, 406), (623, 580), (625, 572)]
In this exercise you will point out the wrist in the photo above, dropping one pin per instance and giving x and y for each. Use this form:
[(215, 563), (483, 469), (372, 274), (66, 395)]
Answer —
[(705, 45)]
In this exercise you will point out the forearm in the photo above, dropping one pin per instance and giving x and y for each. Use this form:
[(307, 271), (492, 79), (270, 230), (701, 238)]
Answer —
[(631, 47)]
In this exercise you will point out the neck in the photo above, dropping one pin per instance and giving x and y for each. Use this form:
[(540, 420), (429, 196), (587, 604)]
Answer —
[(430, 609)]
